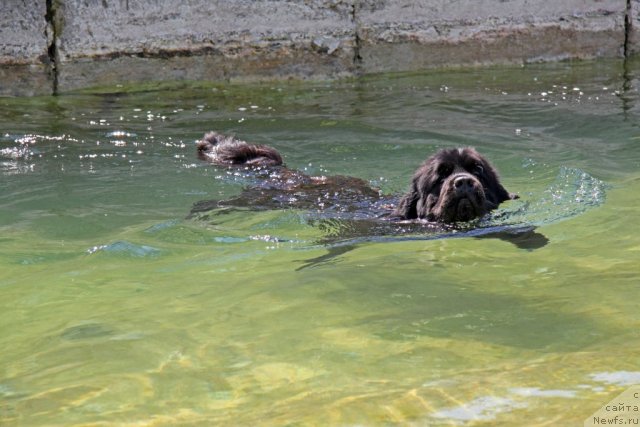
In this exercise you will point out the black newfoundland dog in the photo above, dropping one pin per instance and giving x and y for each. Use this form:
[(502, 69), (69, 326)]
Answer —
[(452, 186)]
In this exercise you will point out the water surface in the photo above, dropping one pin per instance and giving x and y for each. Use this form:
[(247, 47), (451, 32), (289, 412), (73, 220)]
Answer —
[(116, 309)]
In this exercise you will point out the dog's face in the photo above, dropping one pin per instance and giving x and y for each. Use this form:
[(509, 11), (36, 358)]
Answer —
[(454, 185)]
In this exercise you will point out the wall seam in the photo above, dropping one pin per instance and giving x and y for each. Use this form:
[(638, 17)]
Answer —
[(52, 38), (628, 28), (357, 59)]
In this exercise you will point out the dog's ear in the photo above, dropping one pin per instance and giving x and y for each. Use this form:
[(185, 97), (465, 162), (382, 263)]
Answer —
[(502, 194), (413, 205), (495, 194), (408, 206), (495, 191)]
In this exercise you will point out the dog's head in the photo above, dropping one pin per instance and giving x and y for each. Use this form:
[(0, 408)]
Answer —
[(453, 185)]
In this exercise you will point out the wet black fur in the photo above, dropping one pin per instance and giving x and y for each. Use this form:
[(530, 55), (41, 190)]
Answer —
[(433, 194), (227, 150), (453, 185)]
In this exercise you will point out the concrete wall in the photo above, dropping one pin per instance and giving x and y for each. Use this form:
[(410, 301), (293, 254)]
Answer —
[(25, 68), (427, 34), (202, 39), (49, 46)]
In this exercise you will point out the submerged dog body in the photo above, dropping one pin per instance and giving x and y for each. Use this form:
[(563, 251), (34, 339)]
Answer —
[(453, 185)]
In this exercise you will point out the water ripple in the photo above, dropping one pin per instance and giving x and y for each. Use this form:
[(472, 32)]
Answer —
[(125, 248), (573, 192)]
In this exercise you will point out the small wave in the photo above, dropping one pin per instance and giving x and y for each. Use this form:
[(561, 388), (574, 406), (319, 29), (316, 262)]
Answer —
[(230, 239), (485, 408), (619, 378), (120, 134), (162, 226), (19, 152), (573, 192), (26, 145), (125, 248)]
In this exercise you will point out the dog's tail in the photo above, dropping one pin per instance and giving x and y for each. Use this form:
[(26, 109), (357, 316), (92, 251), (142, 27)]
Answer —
[(227, 150)]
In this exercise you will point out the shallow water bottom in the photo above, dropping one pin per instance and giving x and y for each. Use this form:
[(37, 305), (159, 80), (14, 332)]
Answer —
[(443, 332)]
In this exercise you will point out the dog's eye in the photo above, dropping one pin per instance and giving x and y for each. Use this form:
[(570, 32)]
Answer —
[(444, 170), (478, 169)]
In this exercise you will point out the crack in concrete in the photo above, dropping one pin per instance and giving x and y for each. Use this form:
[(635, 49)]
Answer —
[(628, 28), (357, 58), (52, 27), (627, 75)]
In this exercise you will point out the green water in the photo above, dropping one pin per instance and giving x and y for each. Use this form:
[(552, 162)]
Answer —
[(117, 310)]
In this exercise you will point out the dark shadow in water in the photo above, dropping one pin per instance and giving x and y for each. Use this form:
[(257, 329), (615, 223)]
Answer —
[(355, 233), (332, 254), (523, 237)]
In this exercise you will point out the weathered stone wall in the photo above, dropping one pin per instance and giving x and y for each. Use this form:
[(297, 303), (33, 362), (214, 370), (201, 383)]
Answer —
[(203, 39), (25, 68), (49, 46), (415, 35)]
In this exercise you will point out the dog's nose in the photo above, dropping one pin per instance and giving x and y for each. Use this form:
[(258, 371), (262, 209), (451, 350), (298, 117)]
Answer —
[(464, 183)]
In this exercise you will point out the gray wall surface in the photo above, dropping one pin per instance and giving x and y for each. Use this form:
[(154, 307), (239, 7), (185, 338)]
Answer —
[(54, 46)]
